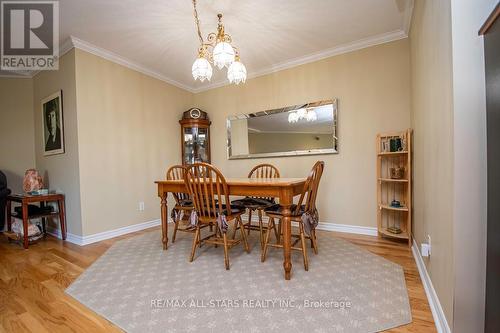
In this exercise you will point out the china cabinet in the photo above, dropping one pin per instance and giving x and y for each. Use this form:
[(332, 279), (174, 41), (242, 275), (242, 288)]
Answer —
[(195, 136)]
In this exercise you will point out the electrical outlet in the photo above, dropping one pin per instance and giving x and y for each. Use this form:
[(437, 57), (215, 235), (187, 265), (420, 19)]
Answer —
[(425, 249), (141, 206), (429, 242)]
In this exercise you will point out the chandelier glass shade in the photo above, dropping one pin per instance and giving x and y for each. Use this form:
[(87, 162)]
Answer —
[(223, 54), (237, 73), (201, 69), (302, 114)]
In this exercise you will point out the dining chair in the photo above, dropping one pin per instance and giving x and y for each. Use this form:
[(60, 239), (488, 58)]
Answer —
[(258, 203), (305, 213), (183, 203), (209, 191)]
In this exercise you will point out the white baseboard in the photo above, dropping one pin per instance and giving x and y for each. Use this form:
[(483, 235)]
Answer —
[(436, 309), (85, 240), (351, 229)]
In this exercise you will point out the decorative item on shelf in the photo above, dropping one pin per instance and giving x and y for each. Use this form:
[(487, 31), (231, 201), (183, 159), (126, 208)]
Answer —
[(385, 146), (223, 54), (395, 144), (195, 136), (394, 230), (403, 144), (397, 172), (395, 203)]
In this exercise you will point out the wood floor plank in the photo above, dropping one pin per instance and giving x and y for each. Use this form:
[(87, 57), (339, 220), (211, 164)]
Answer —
[(32, 284)]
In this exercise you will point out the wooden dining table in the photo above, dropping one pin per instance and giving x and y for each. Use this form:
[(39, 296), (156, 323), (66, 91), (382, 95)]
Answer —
[(283, 188)]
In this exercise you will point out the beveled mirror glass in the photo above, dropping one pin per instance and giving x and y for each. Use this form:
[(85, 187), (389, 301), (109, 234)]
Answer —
[(305, 129)]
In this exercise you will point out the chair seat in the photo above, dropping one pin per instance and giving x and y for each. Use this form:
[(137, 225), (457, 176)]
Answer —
[(278, 210), (186, 203), (234, 209), (253, 203)]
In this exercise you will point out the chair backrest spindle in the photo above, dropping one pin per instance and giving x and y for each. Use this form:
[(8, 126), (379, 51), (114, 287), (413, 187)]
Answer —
[(264, 171), (176, 172), (208, 189)]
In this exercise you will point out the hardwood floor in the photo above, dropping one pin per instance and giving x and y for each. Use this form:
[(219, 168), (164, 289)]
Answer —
[(32, 284)]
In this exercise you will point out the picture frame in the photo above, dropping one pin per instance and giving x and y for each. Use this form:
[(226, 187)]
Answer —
[(53, 124)]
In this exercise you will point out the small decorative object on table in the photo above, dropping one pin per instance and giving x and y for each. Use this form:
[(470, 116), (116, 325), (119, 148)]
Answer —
[(32, 181)]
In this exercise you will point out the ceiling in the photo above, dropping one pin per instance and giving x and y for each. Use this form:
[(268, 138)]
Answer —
[(159, 37)]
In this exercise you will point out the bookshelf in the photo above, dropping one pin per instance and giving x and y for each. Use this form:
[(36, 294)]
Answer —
[(394, 185)]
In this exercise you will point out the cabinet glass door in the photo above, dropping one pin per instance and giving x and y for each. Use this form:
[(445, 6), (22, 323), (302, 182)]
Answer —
[(195, 145)]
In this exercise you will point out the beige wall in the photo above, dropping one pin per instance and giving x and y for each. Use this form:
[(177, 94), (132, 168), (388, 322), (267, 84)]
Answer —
[(60, 171), (17, 150), (278, 142), (128, 134), (239, 137), (373, 88), (432, 121)]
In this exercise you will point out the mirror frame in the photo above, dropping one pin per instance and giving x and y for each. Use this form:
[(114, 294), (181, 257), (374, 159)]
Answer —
[(333, 150)]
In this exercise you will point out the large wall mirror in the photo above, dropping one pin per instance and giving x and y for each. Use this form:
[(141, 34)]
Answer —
[(306, 129)]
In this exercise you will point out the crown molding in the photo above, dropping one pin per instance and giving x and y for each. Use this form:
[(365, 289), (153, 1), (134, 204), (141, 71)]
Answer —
[(338, 50), (408, 17), (74, 42)]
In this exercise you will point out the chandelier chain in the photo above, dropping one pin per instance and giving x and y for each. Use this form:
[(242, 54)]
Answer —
[(197, 21)]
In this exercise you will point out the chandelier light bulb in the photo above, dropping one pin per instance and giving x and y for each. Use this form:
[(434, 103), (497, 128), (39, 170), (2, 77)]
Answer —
[(293, 117), (237, 73), (201, 69), (301, 113), (311, 115), (223, 55)]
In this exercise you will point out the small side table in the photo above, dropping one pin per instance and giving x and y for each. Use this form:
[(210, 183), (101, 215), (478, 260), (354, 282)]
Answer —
[(25, 200)]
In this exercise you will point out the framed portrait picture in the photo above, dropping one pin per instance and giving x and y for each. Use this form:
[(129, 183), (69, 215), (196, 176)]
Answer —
[(53, 131)]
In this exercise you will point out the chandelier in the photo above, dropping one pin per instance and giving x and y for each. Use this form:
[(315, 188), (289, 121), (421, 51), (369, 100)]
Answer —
[(223, 54), (301, 114)]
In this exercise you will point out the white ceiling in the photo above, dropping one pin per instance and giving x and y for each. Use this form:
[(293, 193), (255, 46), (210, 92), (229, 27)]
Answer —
[(159, 36)]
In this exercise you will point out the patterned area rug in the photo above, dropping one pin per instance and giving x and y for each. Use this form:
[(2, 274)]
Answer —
[(141, 288)]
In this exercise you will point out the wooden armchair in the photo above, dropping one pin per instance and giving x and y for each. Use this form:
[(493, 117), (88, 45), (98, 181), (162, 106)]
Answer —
[(258, 203), (208, 190), (305, 213)]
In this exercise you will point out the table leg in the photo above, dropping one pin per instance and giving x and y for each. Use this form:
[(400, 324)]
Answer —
[(8, 215), (25, 225), (62, 218), (44, 220), (164, 220), (285, 202)]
